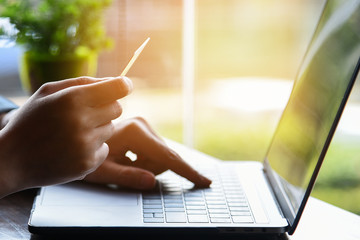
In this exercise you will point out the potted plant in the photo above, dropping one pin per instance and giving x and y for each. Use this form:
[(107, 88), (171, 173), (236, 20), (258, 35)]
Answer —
[(61, 38)]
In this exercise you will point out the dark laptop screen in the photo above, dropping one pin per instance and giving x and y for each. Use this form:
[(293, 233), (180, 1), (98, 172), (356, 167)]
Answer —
[(320, 91)]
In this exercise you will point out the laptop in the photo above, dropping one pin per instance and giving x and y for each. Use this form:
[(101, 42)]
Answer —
[(246, 197)]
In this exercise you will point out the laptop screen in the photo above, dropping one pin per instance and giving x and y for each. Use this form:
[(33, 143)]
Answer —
[(321, 89)]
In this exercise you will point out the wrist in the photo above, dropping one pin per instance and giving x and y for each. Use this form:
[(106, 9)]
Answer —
[(4, 186), (8, 175)]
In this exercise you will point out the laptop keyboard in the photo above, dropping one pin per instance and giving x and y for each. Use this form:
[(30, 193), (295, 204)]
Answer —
[(175, 200)]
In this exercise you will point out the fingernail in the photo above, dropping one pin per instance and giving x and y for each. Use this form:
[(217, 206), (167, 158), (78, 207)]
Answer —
[(147, 181)]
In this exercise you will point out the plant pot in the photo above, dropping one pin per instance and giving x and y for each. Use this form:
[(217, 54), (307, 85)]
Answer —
[(37, 69)]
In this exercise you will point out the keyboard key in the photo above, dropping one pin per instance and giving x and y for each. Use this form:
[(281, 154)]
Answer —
[(152, 206), (229, 188), (217, 215), (158, 215), (218, 210), (214, 194), (173, 200), (174, 210), (167, 196), (198, 219), (239, 213), (237, 204), (196, 212), (182, 203), (215, 202), (216, 206), (152, 201), (174, 205), (195, 203), (236, 200), (195, 207), (220, 220), (193, 199), (193, 194), (242, 219), (235, 196), (175, 217), (214, 198), (152, 210), (151, 196), (153, 220), (239, 209)]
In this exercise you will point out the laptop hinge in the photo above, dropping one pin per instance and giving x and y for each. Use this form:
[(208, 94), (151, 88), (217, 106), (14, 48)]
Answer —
[(282, 200)]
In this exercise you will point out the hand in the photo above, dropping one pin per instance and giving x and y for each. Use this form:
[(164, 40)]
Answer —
[(59, 134), (153, 157)]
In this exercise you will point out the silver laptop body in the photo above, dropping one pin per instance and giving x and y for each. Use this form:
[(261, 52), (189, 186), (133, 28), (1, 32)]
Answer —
[(267, 197)]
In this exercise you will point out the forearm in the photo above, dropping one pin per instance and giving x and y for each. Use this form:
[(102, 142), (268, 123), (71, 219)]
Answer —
[(8, 177)]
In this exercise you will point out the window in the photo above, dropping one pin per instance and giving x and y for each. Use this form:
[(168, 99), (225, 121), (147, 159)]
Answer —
[(246, 54)]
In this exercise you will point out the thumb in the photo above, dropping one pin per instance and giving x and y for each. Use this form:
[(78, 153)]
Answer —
[(112, 173)]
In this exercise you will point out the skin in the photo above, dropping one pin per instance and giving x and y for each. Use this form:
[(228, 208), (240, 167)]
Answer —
[(153, 157), (65, 132)]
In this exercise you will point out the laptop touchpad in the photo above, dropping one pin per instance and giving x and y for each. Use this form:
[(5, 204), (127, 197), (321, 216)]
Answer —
[(85, 195)]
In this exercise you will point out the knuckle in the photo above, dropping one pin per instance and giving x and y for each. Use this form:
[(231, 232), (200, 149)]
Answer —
[(134, 125), (46, 88), (111, 128), (108, 131), (85, 161), (82, 80), (88, 158), (140, 120), (117, 109)]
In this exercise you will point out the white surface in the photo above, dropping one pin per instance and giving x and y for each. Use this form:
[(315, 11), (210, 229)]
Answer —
[(324, 221)]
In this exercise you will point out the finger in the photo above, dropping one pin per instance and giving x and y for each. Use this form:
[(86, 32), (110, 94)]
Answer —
[(105, 113), (100, 155), (112, 173), (179, 166), (56, 86), (157, 152), (106, 91), (160, 157), (103, 133), (143, 122)]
